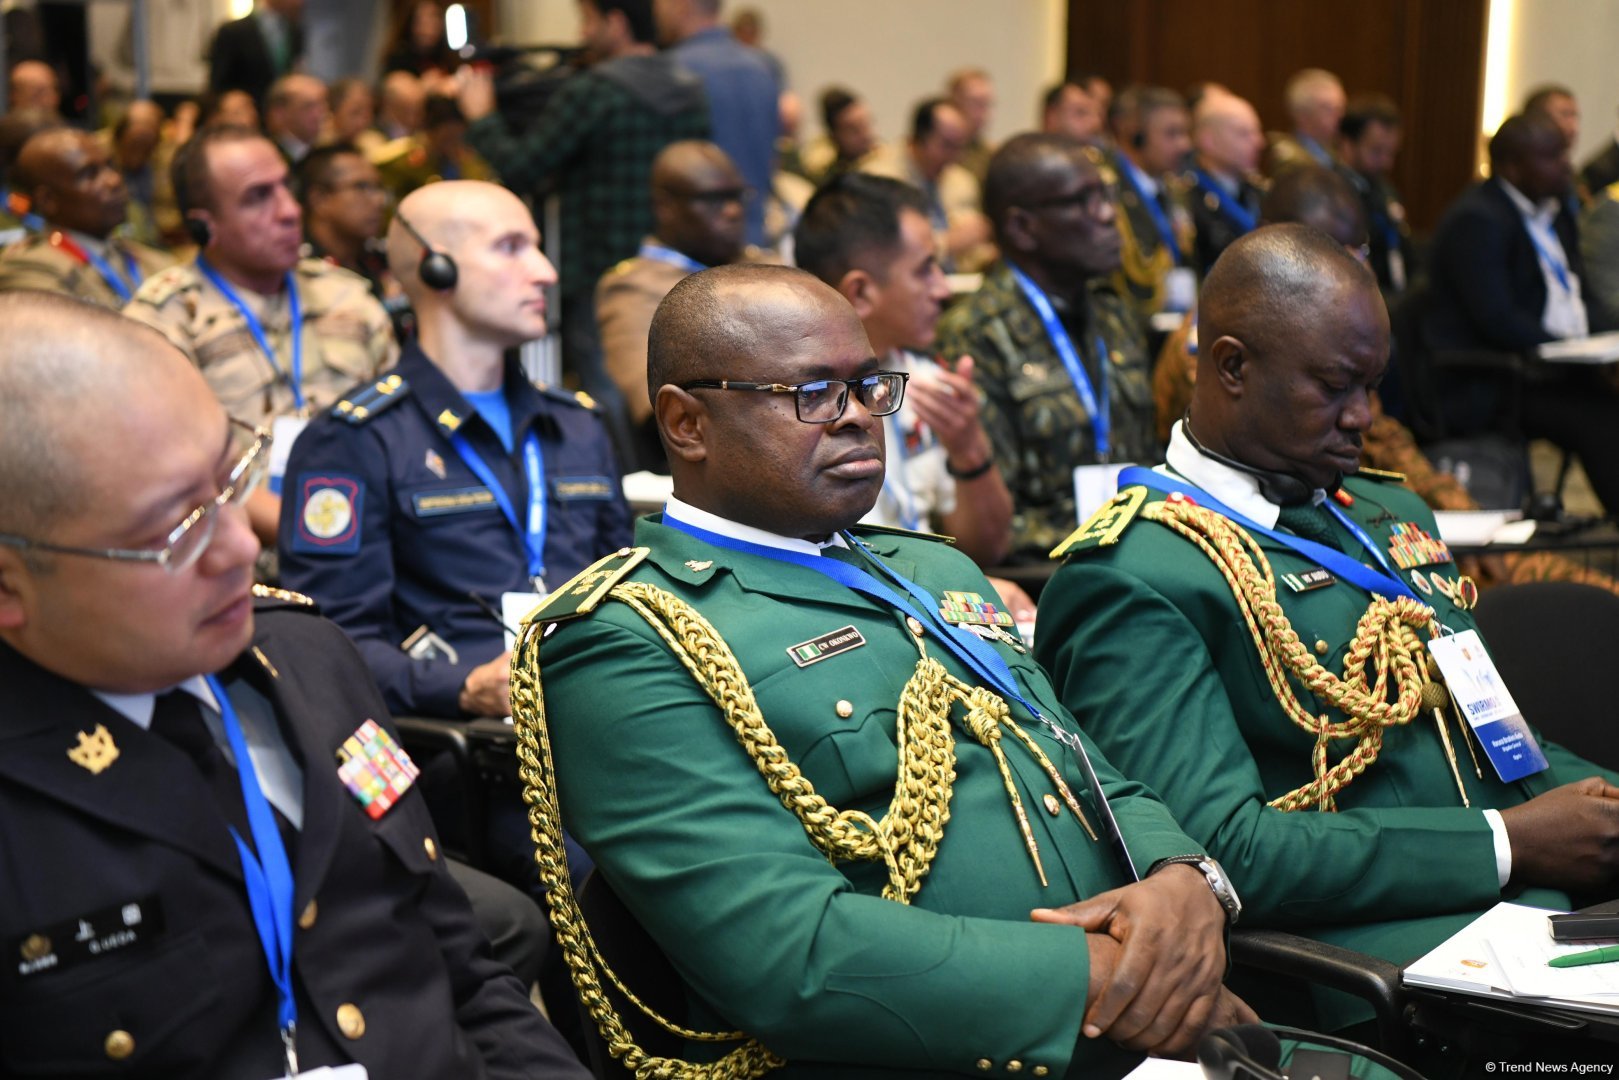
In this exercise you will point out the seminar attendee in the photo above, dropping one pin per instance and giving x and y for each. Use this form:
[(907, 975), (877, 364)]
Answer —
[(972, 92), (1226, 141), (742, 90), (1315, 104), (850, 137), (1303, 746), (886, 946), (697, 201), (1062, 367), (279, 338), (343, 199), (254, 51), (151, 706), (32, 84), (930, 159), (1069, 110), (1507, 276), (295, 113), (1368, 140), (1151, 139), (82, 199)]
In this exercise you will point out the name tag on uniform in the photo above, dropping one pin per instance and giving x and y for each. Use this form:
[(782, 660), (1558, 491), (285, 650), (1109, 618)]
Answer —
[(331, 1072), (514, 608), (456, 501), (1485, 701), (817, 649), (1306, 580), (94, 934), (571, 488)]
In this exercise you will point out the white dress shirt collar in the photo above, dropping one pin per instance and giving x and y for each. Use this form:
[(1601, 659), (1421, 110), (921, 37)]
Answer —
[(713, 523), (137, 708), (1233, 487)]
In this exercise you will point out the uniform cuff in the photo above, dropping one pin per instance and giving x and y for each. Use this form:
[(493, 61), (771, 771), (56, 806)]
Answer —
[(1503, 846)]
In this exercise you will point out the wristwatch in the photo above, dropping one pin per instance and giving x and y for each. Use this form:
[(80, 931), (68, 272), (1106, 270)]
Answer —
[(1215, 874)]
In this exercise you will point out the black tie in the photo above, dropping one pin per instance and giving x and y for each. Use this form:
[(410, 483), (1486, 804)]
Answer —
[(177, 717), (1309, 521)]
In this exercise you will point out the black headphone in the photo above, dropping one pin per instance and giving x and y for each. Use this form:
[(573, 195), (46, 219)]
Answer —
[(437, 270), (1255, 1051), (1138, 139), (198, 230), (1279, 488)]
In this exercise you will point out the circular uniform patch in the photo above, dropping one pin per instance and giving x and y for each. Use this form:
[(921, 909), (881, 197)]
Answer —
[(328, 513)]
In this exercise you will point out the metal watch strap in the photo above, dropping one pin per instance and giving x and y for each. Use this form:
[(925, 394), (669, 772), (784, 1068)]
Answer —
[(1219, 883)]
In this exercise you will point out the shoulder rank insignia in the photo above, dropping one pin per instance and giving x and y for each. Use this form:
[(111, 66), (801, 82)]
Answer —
[(1106, 525), (588, 588), (282, 596), (895, 530), (1386, 475), (577, 398), (372, 398)]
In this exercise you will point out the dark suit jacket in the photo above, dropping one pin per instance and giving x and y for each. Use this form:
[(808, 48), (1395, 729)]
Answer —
[(239, 58), (1215, 231), (1488, 291), (1602, 169), (389, 932)]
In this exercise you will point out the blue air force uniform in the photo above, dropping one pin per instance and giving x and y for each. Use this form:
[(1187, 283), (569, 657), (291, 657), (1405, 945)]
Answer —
[(390, 530)]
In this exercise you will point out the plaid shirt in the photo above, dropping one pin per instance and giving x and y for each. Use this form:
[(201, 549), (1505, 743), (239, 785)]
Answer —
[(594, 142)]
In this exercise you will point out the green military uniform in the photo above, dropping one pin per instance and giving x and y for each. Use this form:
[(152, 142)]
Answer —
[(1033, 414), (768, 933), (347, 338), (1185, 706), (42, 261)]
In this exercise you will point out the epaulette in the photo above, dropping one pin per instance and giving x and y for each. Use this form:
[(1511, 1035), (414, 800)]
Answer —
[(272, 598), (1104, 527), (895, 530), (165, 285), (623, 266), (1612, 191), (391, 150), (570, 397), (1388, 476), (372, 398), (587, 589)]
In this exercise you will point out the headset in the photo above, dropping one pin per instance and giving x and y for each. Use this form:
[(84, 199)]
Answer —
[(1255, 1051), (198, 230), (437, 270)]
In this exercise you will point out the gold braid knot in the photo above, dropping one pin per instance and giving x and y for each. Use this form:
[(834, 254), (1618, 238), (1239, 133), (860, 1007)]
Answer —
[(906, 839), (1386, 640)]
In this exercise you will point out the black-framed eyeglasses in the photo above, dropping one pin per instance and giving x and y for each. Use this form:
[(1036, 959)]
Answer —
[(1090, 198), (715, 200), (187, 541), (823, 401)]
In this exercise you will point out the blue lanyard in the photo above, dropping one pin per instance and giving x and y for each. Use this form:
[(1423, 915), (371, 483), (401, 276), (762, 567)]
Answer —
[(1234, 211), (256, 328), (1345, 566), (897, 482), (532, 531), (1559, 267), (979, 658), (1160, 220), (116, 281), (268, 875), (660, 253), (1101, 417)]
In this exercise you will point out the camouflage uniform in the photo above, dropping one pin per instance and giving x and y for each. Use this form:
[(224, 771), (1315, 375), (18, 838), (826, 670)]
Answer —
[(1388, 445), (1032, 413), (347, 338), (42, 261)]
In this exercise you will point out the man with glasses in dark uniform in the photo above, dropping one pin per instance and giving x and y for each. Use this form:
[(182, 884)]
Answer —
[(218, 866)]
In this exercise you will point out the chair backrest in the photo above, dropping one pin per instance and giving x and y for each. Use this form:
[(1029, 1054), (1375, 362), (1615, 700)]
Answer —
[(630, 951), (1552, 641)]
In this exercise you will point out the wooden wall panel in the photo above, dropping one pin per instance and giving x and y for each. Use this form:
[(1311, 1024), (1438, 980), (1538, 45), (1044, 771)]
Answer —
[(1427, 55)]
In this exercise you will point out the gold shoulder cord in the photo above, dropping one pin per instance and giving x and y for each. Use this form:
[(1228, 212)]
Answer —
[(1386, 637), (905, 840), (1145, 271)]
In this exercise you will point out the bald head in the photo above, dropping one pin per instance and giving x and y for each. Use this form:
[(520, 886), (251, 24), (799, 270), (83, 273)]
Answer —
[(403, 103), (68, 372), (1315, 101), (1320, 198), (1226, 133), (70, 182), (33, 86), (446, 214)]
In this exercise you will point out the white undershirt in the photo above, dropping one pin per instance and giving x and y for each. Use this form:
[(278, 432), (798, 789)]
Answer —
[(713, 523)]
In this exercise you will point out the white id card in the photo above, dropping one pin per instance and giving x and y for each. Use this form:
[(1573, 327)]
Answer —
[(1180, 289), (1093, 486), (514, 608), (284, 431), (1487, 705), (331, 1072)]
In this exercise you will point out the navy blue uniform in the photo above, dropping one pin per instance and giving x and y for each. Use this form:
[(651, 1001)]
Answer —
[(385, 525)]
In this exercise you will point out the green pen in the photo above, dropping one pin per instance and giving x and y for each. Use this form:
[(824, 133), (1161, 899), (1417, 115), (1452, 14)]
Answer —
[(1605, 955)]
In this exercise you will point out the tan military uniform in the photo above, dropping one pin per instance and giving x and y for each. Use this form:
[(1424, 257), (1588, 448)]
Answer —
[(347, 337), (626, 297), (407, 163), (42, 261)]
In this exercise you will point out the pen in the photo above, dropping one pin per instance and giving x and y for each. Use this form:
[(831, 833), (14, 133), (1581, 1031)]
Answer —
[(1605, 955)]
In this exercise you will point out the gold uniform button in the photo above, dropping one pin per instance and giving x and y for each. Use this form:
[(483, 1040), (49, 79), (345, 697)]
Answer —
[(621, 552), (1014, 1065), (844, 708), (350, 1020), (431, 848), (119, 1045), (984, 1064), (306, 919), (1321, 648), (1053, 807), (1040, 1070), (915, 626)]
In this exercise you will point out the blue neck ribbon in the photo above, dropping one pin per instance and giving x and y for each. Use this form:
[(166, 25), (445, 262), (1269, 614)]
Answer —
[(651, 249), (1234, 211), (268, 876), (124, 287), (1379, 582), (1559, 267), (530, 531), (1160, 220), (1099, 412), (256, 328), (983, 661)]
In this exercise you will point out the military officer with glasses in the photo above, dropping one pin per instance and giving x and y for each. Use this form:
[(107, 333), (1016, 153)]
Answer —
[(979, 919), (217, 864)]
